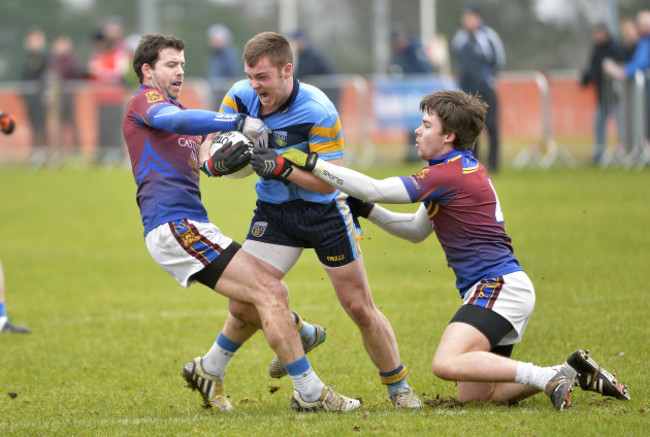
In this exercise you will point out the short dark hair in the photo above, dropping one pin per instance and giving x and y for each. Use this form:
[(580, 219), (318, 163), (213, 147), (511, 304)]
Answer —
[(271, 44), (149, 48), (459, 112)]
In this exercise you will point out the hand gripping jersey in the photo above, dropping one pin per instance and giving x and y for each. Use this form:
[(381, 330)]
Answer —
[(466, 215), (165, 164), (308, 121)]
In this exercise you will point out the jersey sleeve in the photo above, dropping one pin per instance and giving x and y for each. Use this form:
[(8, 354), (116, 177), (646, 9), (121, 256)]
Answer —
[(436, 183), (153, 109), (326, 138)]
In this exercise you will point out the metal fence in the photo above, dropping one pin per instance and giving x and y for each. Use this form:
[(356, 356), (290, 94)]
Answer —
[(58, 123)]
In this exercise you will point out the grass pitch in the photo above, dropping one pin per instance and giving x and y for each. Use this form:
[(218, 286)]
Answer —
[(112, 331)]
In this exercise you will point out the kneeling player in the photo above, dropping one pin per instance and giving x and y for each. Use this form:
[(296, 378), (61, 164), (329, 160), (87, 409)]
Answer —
[(459, 204)]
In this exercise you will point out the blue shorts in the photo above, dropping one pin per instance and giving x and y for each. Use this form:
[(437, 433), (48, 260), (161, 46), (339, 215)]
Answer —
[(330, 229)]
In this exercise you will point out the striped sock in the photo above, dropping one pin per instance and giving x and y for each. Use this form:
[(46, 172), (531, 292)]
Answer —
[(395, 380), (306, 330)]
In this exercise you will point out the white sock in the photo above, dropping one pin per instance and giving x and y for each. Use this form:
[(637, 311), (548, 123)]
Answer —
[(530, 374), (3, 321), (216, 361), (308, 385)]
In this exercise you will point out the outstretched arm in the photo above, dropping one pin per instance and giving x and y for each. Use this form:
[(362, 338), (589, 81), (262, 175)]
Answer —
[(199, 122), (390, 190), (192, 121), (413, 227)]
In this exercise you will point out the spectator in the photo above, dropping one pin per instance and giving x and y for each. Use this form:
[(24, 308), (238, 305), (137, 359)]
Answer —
[(629, 38), (639, 61), (107, 67), (311, 62), (224, 62), (34, 70), (65, 67), (480, 55), (409, 56), (608, 103)]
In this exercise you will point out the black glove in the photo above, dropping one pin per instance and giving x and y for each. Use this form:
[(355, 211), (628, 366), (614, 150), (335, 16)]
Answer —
[(227, 159), (269, 164), (360, 208), (7, 123)]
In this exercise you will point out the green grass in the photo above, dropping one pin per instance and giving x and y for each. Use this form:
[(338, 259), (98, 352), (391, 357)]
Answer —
[(112, 331)]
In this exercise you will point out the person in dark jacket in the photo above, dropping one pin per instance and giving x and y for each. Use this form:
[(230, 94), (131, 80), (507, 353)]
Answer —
[(608, 104), (311, 62), (480, 55), (33, 72)]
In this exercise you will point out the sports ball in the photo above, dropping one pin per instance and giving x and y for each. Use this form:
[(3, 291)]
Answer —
[(234, 136)]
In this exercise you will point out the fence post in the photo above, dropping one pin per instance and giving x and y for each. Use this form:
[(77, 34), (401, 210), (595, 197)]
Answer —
[(545, 152)]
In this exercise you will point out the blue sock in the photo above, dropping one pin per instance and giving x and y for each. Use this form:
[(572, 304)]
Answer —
[(227, 344), (298, 367), (3, 309)]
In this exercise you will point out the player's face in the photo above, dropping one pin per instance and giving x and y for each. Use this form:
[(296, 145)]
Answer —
[(272, 85), (430, 140), (168, 72)]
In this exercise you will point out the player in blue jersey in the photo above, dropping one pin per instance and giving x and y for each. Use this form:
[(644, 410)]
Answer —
[(295, 212), (458, 203), (7, 126), (164, 142)]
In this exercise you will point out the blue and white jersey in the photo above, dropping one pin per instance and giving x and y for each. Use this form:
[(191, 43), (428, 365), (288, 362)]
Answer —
[(308, 121)]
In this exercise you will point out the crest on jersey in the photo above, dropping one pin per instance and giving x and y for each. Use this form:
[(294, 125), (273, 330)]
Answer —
[(280, 137), (153, 96), (258, 228), (422, 173)]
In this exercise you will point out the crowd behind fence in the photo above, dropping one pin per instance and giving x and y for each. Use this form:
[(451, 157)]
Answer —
[(82, 121)]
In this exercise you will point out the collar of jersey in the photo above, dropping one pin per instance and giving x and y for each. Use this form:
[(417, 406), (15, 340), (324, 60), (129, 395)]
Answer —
[(453, 155)]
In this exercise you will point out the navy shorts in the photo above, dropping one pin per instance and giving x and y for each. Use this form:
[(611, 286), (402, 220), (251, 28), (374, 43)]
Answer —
[(330, 229)]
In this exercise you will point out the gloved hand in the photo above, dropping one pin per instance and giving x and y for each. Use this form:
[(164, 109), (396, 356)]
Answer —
[(227, 159), (360, 208), (7, 123), (254, 129), (269, 164), (302, 160)]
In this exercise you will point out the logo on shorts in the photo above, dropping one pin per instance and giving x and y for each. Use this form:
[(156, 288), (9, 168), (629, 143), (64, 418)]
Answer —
[(189, 238), (336, 258), (280, 138), (259, 228), (153, 96)]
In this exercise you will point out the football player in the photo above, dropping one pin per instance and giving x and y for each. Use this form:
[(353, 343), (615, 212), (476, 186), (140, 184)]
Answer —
[(7, 126), (458, 202), (164, 142), (298, 211)]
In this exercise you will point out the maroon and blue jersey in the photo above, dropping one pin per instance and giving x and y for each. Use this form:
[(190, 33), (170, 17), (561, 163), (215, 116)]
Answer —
[(165, 164), (466, 216)]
